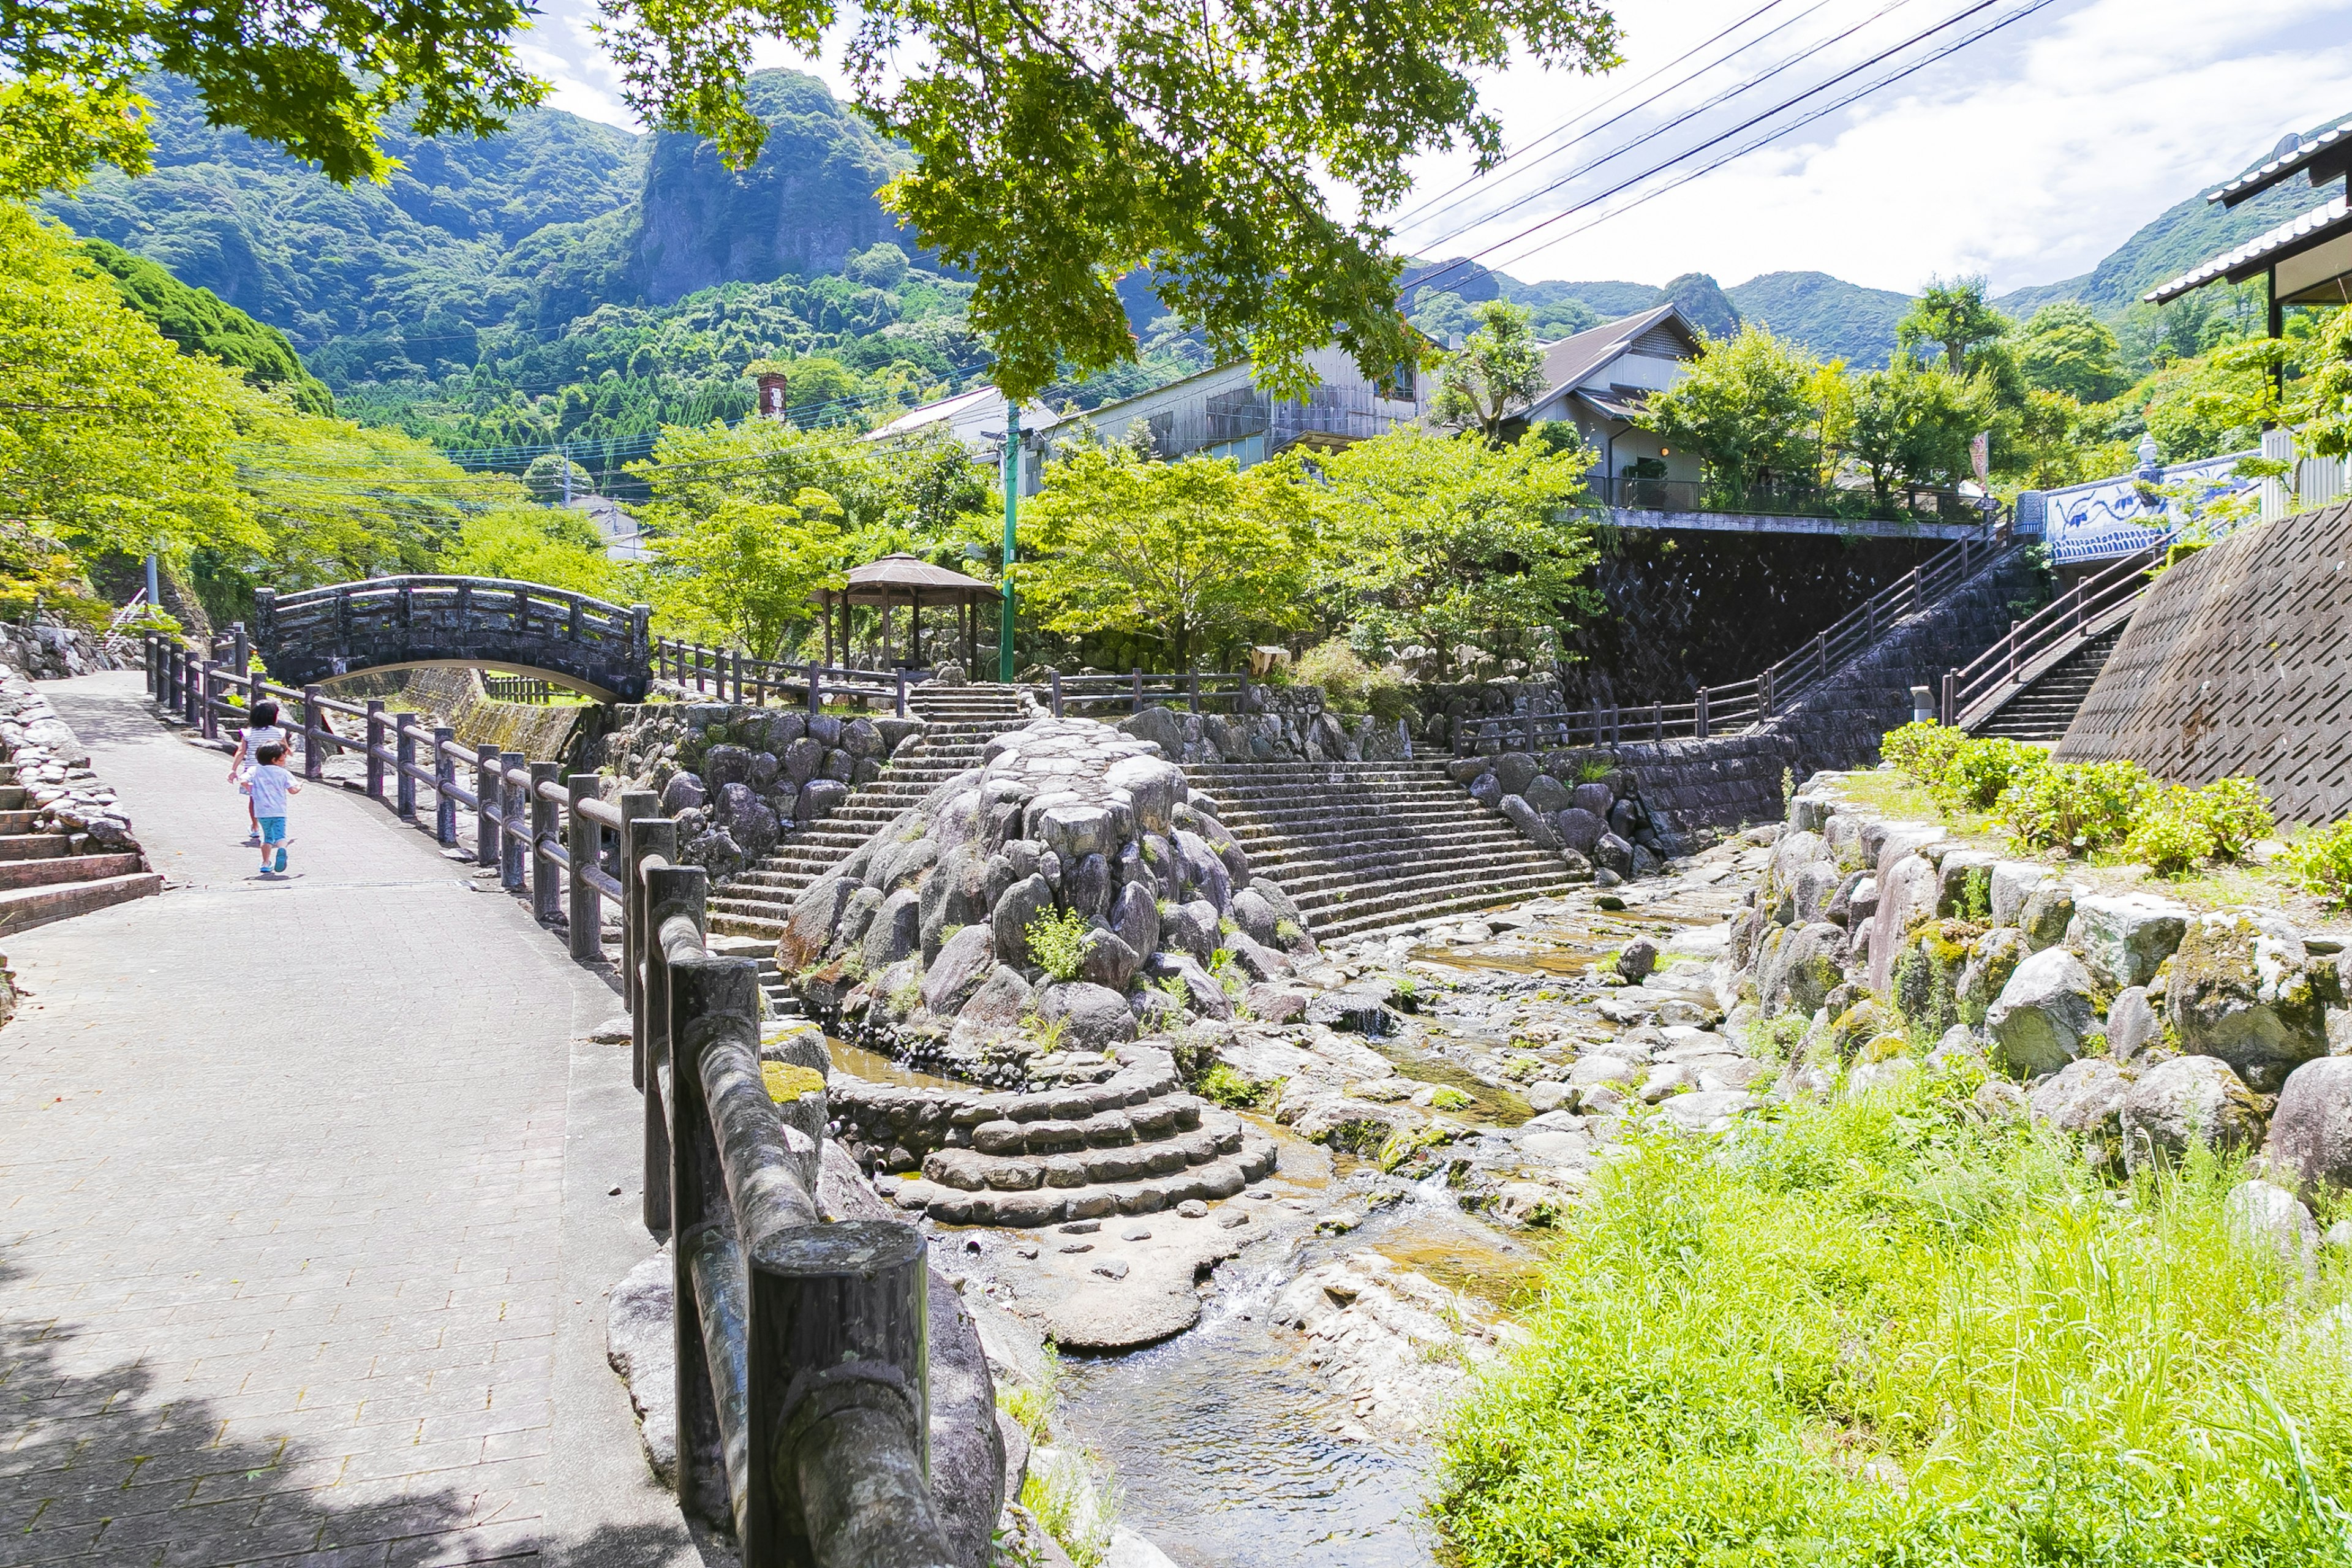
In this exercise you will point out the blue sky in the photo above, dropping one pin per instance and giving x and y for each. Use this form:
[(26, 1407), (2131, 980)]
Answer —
[(2027, 156)]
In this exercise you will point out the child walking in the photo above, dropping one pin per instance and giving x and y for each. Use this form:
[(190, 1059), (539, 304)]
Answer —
[(263, 730), (270, 785)]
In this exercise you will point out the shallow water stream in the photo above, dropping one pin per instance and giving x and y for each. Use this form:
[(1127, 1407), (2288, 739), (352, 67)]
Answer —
[(1222, 1438)]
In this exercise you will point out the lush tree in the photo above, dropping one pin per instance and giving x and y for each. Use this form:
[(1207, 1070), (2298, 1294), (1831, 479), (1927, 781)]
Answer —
[(111, 440), (1440, 539), (694, 472), (1912, 425), (1189, 553), (2324, 406), (2066, 348), (1952, 314), (1495, 376), (1751, 408), (1053, 153), (741, 575), (553, 479), (2212, 403), (553, 545), (198, 321)]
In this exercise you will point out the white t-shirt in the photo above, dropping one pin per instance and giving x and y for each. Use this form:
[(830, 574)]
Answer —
[(271, 787), (259, 736)]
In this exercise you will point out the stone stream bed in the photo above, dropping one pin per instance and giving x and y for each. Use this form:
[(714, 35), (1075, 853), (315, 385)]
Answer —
[(1260, 1378)]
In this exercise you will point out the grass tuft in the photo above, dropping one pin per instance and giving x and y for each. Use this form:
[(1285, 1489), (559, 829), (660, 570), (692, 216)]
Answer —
[(1886, 1333)]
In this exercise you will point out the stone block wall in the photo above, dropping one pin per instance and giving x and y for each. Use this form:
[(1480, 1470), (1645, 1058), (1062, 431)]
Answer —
[(2232, 665)]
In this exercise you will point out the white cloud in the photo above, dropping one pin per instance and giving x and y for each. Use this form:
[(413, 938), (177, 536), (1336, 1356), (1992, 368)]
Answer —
[(2027, 156)]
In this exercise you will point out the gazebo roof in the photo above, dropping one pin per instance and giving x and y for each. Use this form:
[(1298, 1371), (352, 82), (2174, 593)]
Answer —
[(901, 578)]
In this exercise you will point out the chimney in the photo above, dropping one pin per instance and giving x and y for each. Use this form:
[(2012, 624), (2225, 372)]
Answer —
[(772, 387)]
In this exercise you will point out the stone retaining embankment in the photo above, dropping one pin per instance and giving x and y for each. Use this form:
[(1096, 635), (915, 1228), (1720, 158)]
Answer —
[(2137, 1021), (736, 777)]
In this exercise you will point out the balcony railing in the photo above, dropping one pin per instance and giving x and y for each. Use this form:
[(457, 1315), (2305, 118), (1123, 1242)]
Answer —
[(1637, 494)]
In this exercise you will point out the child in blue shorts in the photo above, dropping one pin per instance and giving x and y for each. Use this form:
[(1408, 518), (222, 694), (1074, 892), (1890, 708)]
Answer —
[(270, 785)]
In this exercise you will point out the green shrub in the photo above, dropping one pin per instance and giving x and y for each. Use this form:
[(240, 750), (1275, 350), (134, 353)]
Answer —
[(1231, 1090), (1227, 973), (2169, 840), (1977, 771), (2077, 806), (1887, 1333), (1448, 1098), (1350, 684), (1054, 938), (1287, 932), (1593, 770), (2235, 812), (1921, 750), (1176, 991), (2323, 863)]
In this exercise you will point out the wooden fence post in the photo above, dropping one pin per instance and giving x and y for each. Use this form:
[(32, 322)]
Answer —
[(902, 708), (699, 986), (671, 892), (514, 821), (816, 678), (634, 803), (546, 896), (838, 1314), (1057, 694), (1192, 688), (374, 748), (1949, 706), (314, 749), (208, 717), (490, 792), (1138, 690), (584, 838), (240, 650), (445, 780), (404, 751)]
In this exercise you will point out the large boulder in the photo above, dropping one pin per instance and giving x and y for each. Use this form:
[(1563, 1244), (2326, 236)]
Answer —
[(896, 932), (817, 798), (964, 963), (2013, 882), (1579, 829), (1106, 961), (2243, 988), (2044, 1015), (1092, 1016), (2122, 939), (682, 793), (1925, 978), (2085, 1098), (726, 765), (2132, 1025), (1135, 916), (1593, 798), (2046, 913), (1516, 771), (1614, 854), (2185, 1101), (1153, 785), (1021, 903), (1908, 891), (1528, 821), (1992, 959), (1547, 795), (2311, 1131), (1803, 969), (815, 913)]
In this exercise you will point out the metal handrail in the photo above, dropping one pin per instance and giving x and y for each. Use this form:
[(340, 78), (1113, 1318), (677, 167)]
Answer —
[(1980, 688)]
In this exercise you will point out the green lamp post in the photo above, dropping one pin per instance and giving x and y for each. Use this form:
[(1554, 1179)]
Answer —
[(1012, 511)]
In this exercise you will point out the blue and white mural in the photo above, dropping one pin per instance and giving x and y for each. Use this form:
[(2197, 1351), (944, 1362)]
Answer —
[(2109, 518)]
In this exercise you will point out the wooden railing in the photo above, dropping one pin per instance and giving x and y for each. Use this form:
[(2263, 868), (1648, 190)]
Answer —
[(729, 676), (2095, 604), (522, 688), (535, 825), (1741, 705), (1198, 691), (803, 1378)]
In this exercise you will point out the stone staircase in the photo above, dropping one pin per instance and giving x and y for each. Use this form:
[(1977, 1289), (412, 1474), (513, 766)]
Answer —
[(1359, 846), (963, 720), (42, 880), (2048, 703)]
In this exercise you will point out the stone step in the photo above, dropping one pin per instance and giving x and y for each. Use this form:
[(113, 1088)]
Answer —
[(34, 845), (24, 908), (53, 870), (1220, 1177), (12, 797), (1344, 893), (1423, 909), (13, 822)]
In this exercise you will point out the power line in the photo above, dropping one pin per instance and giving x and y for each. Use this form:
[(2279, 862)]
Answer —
[(1689, 114), (1424, 209), (1807, 118), (1716, 141)]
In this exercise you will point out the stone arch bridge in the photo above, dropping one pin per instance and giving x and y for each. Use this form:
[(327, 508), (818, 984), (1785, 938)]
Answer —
[(602, 650)]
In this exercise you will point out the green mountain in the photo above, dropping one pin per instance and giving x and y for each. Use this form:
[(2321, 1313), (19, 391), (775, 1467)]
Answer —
[(1835, 319), (2179, 238), (197, 320), (1703, 303)]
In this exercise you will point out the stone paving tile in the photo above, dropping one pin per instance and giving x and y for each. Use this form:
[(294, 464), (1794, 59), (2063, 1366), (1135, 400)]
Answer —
[(280, 1174)]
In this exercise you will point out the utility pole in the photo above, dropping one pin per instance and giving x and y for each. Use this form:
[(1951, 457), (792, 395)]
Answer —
[(1012, 511), (154, 601)]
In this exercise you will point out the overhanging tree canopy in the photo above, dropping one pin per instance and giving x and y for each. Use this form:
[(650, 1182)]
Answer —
[(1058, 145)]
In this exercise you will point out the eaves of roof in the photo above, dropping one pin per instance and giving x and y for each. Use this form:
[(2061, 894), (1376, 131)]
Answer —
[(2316, 226)]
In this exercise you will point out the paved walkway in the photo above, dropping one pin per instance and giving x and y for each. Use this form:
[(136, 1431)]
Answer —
[(304, 1205)]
